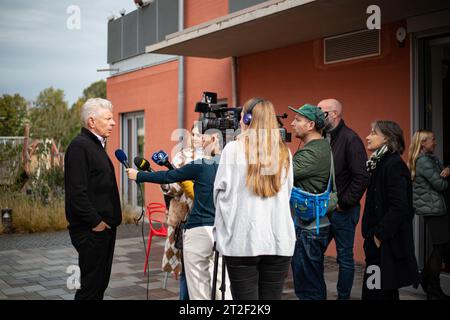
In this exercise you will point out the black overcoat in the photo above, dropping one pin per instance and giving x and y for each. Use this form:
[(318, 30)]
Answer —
[(388, 214), (91, 189)]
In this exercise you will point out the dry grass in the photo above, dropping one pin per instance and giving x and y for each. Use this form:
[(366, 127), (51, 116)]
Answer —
[(129, 215), (32, 216)]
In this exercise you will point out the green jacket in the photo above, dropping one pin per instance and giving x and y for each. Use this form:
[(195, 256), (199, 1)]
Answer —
[(311, 166), (429, 187)]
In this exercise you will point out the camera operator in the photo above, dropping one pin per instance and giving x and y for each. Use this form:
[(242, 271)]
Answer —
[(198, 240)]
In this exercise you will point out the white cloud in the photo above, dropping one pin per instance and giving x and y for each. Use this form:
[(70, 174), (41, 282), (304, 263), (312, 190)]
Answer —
[(37, 50)]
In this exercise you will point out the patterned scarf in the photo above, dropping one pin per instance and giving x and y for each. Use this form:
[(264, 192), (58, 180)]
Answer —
[(375, 158)]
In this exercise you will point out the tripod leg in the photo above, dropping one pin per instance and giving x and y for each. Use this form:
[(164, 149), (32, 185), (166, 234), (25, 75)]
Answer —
[(223, 284), (216, 265)]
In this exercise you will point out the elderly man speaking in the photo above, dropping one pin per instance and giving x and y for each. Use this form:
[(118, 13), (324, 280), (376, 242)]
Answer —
[(92, 199)]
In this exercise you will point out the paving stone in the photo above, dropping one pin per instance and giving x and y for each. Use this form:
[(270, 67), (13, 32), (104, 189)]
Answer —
[(52, 292), (47, 257), (53, 298), (32, 296), (70, 296), (17, 282), (12, 291), (34, 288), (49, 283), (4, 286), (119, 284)]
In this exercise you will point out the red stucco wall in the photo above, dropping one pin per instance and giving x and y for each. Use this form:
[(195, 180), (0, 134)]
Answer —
[(370, 89)]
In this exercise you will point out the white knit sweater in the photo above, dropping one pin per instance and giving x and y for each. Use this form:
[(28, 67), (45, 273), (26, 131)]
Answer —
[(246, 224)]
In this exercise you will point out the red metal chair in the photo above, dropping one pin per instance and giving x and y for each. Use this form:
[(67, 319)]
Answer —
[(156, 215)]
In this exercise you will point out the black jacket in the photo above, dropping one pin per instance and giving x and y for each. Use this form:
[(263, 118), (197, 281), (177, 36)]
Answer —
[(350, 159), (388, 214), (91, 188)]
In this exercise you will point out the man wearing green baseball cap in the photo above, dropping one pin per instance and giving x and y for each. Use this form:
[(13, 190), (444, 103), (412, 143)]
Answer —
[(311, 165), (312, 113)]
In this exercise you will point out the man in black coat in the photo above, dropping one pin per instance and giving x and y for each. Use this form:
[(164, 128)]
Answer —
[(92, 199), (352, 179)]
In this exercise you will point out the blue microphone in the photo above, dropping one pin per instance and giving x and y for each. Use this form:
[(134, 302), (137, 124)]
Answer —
[(161, 158), (122, 157)]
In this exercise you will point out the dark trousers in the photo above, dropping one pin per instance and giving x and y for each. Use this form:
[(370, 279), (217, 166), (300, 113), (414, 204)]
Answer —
[(308, 263), (343, 226), (95, 257), (377, 294), (373, 258), (257, 278)]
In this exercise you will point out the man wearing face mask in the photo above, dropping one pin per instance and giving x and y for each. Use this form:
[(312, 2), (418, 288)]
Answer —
[(351, 181)]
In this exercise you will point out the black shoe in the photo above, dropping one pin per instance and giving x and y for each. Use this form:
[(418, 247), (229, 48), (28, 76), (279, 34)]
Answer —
[(436, 293), (424, 281)]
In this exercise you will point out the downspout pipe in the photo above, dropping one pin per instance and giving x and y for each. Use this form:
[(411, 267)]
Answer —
[(181, 93), (234, 93)]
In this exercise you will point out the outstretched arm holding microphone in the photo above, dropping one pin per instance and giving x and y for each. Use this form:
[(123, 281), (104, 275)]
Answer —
[(198, 235), (188, 172)]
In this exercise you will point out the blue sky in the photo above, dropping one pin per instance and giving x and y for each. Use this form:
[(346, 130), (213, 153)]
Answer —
[(37, 50)]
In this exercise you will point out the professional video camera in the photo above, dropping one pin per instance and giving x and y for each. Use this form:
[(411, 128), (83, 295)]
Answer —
[(218, 116), (286, 136)]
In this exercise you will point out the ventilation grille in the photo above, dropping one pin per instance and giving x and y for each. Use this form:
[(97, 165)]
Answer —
[(351, 46)]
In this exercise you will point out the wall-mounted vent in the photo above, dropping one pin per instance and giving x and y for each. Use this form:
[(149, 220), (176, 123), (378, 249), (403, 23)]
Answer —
[(351, 46)]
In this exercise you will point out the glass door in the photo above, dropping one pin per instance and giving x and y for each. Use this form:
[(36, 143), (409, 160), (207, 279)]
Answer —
[(434, 115), (133, 141)]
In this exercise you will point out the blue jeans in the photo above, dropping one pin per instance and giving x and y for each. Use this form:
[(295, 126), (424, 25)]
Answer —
[(343, 225), (184, 294), (308, 263)]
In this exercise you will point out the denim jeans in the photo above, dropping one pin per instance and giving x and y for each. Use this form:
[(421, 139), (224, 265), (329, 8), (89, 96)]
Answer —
[(343, 226), (308, 263), (184, 293)]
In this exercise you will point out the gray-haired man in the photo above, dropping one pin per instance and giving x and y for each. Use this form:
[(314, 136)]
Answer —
[(92, 199)]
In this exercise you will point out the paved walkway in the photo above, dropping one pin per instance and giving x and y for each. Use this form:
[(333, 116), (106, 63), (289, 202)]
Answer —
[(33, 267)]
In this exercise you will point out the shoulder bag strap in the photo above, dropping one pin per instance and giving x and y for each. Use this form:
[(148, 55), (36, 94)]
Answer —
[(332, 176)]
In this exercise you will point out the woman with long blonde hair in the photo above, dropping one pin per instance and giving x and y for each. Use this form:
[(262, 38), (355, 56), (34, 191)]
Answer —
[(429, 184), (254, 229)]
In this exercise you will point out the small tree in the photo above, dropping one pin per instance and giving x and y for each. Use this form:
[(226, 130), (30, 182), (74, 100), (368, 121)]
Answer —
[(95, 90), (13, 111), (50, 116)]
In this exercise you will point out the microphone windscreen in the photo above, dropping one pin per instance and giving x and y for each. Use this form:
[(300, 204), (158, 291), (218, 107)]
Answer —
[(142, 164), (121, 156)]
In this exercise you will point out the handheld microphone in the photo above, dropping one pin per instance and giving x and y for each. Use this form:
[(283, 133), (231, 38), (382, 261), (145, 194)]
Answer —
[(122, 157), (142, 164), (161, 158)]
